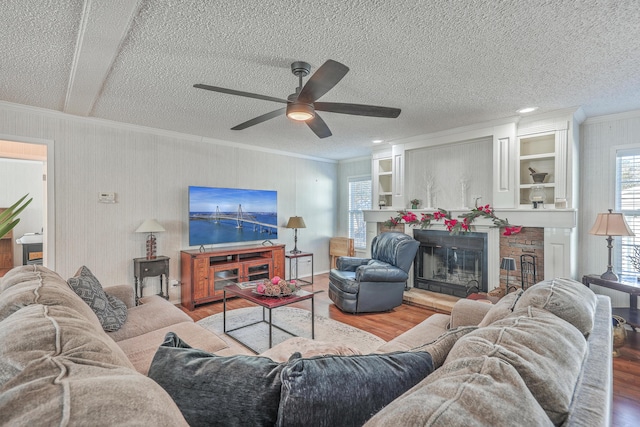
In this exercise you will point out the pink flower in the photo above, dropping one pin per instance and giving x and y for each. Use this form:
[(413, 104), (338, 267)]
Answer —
[(438, 215), (275, 280), (260, 288), (487, 209), (508, 231), (450, 223), (409, 217)]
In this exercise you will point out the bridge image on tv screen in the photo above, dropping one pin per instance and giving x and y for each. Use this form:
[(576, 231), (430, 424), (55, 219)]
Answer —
[(223, 215)]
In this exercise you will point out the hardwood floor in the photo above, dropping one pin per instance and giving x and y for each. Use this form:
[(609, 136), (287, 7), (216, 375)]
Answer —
[(626, 368)]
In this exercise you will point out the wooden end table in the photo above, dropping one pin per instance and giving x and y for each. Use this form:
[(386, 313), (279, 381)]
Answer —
[(267, 303), (629, 314)]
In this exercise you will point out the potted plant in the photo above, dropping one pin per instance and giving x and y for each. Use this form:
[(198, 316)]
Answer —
[(415, 203), (8, 218)]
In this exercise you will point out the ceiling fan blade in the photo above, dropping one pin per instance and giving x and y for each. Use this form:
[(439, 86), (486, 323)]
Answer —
[(319, 127), (260, 119), (357, 109), (322, 81), (240, 93)]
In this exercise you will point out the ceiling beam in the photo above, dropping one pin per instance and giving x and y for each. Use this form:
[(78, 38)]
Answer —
[(103, 28)]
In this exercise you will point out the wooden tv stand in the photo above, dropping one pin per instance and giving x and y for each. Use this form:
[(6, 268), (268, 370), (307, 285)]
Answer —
[(205, 274)]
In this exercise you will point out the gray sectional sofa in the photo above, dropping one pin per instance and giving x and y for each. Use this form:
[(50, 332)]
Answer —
[(542, 357)]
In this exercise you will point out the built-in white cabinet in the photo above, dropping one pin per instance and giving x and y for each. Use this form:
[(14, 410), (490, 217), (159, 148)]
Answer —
[(537, 153), (388, 178), (547, 151)]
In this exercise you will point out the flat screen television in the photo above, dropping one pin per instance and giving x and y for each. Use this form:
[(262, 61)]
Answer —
[(226, 215)]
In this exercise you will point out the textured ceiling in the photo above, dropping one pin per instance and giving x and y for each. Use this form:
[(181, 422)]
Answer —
[(444, 63)]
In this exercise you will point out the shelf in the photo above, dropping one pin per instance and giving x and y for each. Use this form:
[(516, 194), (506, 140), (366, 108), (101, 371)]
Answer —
[(544, 184), (543, 156)]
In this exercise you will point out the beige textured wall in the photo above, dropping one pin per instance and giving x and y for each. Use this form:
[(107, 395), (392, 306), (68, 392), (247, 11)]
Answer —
[(150, 170)]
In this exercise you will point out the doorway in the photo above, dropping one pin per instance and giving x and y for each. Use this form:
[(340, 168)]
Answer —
[(24, 168)]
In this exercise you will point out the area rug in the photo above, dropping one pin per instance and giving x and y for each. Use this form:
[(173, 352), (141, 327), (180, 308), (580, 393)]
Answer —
[(293, 319)]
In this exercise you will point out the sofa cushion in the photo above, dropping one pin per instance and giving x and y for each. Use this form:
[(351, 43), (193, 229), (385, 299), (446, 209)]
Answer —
[(33, 284), (213, 390), (472, 392), (424, 332), (440, 347), (66, 371), (546, 351), (153, 313), (141, 349), (111, 312), (346, 390), (468, 312), (503, 308), (308, 348), (566, 298)]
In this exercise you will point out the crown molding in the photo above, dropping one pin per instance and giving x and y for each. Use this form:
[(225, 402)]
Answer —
[(634, 114), (149, 130)]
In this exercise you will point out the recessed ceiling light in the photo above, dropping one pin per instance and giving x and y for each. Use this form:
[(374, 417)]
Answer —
[(377, 141), (527, 110)]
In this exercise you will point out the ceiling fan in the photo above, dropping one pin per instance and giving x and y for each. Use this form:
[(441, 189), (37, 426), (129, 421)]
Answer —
[(302, 105)]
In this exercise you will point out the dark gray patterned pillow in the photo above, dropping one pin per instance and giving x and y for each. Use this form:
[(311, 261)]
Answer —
[(111, 312)]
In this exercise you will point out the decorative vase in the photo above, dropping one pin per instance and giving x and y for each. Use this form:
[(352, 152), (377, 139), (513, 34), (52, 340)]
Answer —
[(619, 334), (414, 206)]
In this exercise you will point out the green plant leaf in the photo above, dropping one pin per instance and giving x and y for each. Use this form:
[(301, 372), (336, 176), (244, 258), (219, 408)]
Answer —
[(8, 218)]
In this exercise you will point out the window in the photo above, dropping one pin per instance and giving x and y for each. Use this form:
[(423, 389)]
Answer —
[(359, 200), (628, 203)]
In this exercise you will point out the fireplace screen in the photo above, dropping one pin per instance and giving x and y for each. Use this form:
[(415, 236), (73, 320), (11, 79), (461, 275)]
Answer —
[(454, 265)]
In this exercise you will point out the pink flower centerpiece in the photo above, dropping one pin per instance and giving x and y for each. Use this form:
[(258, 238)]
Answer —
[(277, 287), (453, 225)]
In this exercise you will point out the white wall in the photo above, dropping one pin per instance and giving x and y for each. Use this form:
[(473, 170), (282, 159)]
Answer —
[(150, 170), (446, 165), (600, 136), (19, 177)]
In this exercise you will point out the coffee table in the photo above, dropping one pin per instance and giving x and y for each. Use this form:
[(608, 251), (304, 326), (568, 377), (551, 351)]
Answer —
[(267, 304)]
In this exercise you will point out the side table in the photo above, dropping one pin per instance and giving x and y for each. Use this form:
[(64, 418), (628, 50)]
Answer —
[(630, 314), (296, 256), (143, 267)]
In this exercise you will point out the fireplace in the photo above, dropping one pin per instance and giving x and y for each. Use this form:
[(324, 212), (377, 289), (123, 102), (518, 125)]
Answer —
[(454, 265)]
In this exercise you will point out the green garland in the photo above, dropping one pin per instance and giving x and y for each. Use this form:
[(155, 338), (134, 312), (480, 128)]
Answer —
[(453, 225)]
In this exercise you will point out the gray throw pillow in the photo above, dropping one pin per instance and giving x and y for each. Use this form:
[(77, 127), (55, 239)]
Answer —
[(213, 390), (346, 390), (111, 311)]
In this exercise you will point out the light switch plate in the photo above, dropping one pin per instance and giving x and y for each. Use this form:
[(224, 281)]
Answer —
[(107, 197)]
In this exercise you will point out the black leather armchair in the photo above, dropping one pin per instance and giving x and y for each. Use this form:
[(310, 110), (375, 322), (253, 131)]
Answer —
[(361, 285)]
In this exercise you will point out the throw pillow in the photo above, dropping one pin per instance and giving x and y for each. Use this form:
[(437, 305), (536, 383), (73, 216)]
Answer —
[(346, 390), (566, 298), (111, 312), (214, 390)]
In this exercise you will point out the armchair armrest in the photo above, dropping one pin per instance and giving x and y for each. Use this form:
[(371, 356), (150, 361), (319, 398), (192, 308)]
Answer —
[(123, 293), (348, 263), (380, 273)]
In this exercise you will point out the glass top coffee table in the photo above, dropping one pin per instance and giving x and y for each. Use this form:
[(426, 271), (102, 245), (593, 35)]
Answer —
[(267, 303)]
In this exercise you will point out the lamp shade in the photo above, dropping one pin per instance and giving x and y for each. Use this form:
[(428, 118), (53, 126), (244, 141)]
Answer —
[(611, 224), (296, 222), (508, 264), (150, 226)]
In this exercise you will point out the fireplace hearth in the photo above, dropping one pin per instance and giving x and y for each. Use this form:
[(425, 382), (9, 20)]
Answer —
[(454, 265)]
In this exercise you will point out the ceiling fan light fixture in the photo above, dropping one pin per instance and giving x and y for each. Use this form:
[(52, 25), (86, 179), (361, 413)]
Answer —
[(300, 112)]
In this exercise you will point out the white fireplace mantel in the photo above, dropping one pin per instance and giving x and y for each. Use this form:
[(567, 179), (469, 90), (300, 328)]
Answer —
[(560, 242)]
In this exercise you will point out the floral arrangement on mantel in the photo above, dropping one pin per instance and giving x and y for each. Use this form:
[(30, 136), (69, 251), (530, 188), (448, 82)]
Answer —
[(453, 225), (277, 287)]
